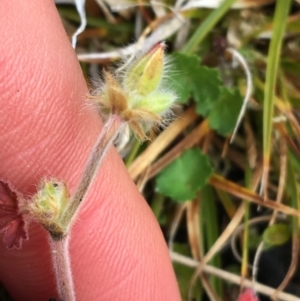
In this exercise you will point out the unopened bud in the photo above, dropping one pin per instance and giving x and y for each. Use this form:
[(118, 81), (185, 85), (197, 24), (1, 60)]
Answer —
[(48, 205), (145, 75), (139, 95)]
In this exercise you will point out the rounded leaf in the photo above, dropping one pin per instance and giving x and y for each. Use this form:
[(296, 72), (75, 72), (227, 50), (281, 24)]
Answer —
[(184, 177)]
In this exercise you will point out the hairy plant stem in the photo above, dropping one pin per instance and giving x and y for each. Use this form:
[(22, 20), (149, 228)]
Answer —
[(59, 242), (62, 267), (111, 129)]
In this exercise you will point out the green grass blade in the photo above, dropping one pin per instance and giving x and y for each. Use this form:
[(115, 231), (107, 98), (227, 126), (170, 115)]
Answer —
[(210, 228), (292, 186), (206, 26), (280, 18)]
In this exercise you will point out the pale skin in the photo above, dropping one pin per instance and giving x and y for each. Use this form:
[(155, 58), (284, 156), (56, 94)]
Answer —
[(47, 129)]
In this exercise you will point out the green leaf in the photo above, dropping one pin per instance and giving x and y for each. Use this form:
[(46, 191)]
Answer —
[(191, 79), (224, 114), (182, 78), (183, 178), (213, 100), (206, 89), (277, 234)]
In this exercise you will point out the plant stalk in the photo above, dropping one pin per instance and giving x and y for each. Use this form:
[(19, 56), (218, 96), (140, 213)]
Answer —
[(62, 268), (59, 243), (111, 129)]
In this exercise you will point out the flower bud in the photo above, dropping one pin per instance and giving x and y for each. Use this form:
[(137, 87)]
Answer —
[(48, 205), (140, 95), (145, 75)]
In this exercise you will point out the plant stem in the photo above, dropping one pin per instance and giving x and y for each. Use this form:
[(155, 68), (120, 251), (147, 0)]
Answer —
[(111, 129), (59, 242), (62, 268)]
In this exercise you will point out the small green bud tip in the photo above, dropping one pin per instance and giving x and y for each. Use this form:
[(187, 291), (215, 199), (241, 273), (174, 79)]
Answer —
[(49, 203), (145, 75)]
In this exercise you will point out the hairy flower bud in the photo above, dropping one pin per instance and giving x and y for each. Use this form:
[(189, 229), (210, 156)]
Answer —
[(140, 94), (145, 75), (48, 205)]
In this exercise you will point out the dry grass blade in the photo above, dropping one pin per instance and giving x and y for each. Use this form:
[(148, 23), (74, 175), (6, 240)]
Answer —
[(176, 221), (190, 140), (192, 218), (244, 193), (160, 29), (108, 15), (250, 143), (144, 12), (218, 244), (236, 157), (282, 174), (283, 131), (239, 4), (142, 180), (193, 226), (286, 109)]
